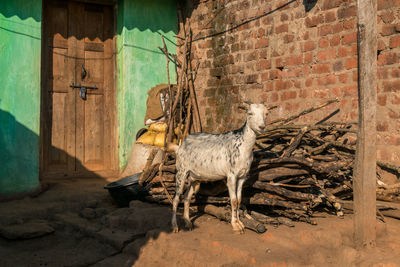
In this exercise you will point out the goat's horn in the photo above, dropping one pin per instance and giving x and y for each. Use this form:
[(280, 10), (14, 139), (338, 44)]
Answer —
[(273, 107)]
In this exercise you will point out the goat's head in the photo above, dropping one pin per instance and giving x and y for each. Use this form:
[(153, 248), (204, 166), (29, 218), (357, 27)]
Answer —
[(256, 115)]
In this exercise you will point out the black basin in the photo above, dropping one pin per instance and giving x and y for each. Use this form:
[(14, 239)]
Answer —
[(126, 189)]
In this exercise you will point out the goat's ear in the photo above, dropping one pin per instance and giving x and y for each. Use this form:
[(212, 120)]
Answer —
[(245, 105)]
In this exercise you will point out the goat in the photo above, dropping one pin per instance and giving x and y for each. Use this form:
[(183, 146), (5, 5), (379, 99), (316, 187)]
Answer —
[(207, 157)]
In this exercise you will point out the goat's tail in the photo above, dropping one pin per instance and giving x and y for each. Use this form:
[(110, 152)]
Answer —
[(171, 147)]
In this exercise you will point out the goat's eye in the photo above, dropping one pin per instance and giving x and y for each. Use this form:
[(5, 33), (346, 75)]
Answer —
[(251, 113)]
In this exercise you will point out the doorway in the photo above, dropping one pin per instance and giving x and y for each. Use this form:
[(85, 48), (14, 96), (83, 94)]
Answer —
[(78, 129)]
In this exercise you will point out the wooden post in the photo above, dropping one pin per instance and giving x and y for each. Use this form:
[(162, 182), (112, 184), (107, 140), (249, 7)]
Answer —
[(365, 166)]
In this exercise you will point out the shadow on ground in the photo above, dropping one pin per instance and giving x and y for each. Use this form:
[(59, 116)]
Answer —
[(76, 223)]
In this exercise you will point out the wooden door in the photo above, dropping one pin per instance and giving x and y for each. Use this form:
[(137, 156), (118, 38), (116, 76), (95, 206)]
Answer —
[(78, 128)]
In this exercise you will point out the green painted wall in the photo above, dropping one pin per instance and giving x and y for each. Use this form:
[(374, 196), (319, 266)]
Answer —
[(141, 65), (20, 47)]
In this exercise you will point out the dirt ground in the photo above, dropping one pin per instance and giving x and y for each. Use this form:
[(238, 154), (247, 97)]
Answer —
[(77, 224)]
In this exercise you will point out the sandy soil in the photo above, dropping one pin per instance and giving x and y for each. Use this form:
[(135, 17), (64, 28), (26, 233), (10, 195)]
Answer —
[(90, 231)]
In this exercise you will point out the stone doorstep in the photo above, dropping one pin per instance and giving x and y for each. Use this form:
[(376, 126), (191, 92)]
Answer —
[(116, 238)]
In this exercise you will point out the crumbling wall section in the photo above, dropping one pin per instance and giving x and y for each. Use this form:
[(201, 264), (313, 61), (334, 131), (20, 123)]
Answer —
[(294, 54)]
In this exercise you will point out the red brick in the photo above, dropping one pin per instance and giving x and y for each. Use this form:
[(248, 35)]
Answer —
[(321, 93), (386, 4), (314, 21), (346, 12), (309, 82), (396, 73), (381, 100), (336, 92), (387, 16), (324, 30), (321, 68), (387, 59), (326, 55), (351, 63), (288, 95), (330, 16), (308, 46), (306, 35), (382, 73), (290, 107), (329, 4), (283, 85), (395, 100), (349, 38), (281, 28), (335, 41), (303, 93), (337, 27), (393, 86), (264, 64), (337, 66), (308, 58), (349, 24), (327, 80), (253, 78), (295, 60), (265, 76), (394, 115), (323, 42), (274, 97), (394, 41), (353, 50), (342, 52), (306, 70), (288, 38), (284, 17), (343, 78), (269, 86), (262, 42), (350, 91), (387, 30), (279, 62)]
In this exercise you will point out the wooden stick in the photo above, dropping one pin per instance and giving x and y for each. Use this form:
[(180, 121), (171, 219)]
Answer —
[(288, 194), (307, 111)]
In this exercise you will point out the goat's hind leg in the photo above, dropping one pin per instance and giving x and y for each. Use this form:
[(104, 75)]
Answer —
[(193, 189), (180, 183)]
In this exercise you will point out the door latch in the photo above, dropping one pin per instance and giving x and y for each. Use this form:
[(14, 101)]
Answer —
[(83, 88)]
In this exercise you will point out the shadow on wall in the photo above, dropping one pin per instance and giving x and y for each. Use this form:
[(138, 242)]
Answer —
[(19, 157), (31, 9)]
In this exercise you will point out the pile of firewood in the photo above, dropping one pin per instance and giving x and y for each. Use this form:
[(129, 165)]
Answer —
[(297, 170)]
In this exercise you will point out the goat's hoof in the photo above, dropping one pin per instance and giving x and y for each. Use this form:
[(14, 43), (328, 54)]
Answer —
[(238, 231), (175, 229), (189, 225)]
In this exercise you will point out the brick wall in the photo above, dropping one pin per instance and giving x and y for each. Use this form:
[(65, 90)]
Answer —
[(295, 56)]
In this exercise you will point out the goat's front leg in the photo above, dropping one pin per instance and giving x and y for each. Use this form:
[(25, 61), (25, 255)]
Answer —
[(231, 183)]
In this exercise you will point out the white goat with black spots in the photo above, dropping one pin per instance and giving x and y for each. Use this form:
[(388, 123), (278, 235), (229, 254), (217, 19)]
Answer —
[(206, 157)]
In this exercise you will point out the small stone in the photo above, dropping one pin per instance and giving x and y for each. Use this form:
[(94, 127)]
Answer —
[(88, 213), (26, 230)]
